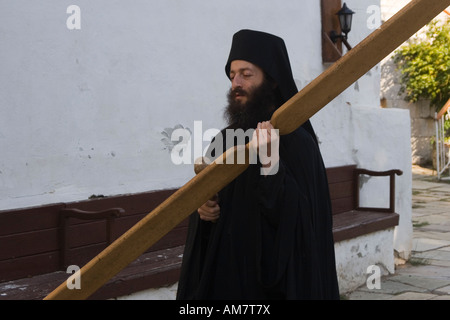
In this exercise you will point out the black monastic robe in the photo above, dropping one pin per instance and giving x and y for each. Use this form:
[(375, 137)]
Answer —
[(273, 239)]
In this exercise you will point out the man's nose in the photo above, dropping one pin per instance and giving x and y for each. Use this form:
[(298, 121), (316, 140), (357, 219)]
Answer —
[(236, 82)]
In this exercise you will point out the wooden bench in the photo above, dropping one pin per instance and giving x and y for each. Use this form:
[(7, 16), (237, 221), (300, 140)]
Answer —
[(37, 244), (350, 220)]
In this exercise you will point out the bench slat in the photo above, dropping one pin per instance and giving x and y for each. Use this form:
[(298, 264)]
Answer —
[(339, 174), (342, 205), (341, 190), (28, 243), (352, 224), (25, 267), (29, 219), (165, 269)]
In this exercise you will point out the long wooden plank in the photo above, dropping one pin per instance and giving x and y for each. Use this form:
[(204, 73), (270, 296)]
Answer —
[(356, 63), (150, 229), (287, 118)]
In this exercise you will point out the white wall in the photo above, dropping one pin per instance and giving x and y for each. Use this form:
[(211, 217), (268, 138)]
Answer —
[(353, 129), (83, 111), (334, 123)]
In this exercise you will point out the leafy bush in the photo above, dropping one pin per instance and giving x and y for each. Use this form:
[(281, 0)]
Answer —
[(425, 65)]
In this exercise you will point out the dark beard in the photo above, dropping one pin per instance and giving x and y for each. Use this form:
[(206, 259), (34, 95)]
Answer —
[(261, 104)]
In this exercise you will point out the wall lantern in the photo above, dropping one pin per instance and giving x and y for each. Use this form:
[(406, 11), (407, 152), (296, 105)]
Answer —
[(336, 24), (345, 20)]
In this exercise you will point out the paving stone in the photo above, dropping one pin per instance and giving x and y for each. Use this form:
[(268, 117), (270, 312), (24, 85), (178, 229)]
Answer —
[(433, 228), (391, 287), (443, 297), (440, 263), (445, 290), (425, 244), (414, 296), (363, 295), (433, 254), (430, 271), (431, 243), (433, 216), (442, 187), (422, 283), (423, 185)]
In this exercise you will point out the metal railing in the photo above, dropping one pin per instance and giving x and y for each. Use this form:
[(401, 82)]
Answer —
[(442, 148)]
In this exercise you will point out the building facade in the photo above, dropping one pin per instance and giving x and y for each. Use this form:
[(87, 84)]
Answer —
[(91, 92)]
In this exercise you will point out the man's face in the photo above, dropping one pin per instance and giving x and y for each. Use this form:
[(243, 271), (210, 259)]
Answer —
[(245, 77), (252, 98)]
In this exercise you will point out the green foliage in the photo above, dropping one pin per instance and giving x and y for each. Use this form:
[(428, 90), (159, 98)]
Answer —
[(425, 66)]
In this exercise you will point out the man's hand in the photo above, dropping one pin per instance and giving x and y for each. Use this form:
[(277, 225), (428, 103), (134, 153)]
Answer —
[(210, 210), (266, 141)]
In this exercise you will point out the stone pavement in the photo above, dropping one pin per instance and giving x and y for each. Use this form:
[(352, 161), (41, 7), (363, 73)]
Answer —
[(426, 275)]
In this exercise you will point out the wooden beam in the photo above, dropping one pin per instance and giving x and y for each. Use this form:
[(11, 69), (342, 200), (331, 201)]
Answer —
[(356, 63), (287, 118)]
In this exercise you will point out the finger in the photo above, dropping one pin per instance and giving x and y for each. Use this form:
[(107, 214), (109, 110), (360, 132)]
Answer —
[(207, 215), (208, 210), (210, 219), (211, 203), (269, 133), (263, 136)]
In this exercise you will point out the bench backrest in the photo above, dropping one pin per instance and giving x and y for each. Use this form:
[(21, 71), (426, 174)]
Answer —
[(29, 237), (341, 181)]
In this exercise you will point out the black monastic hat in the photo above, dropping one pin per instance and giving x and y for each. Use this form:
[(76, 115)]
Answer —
[(268, 52)]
